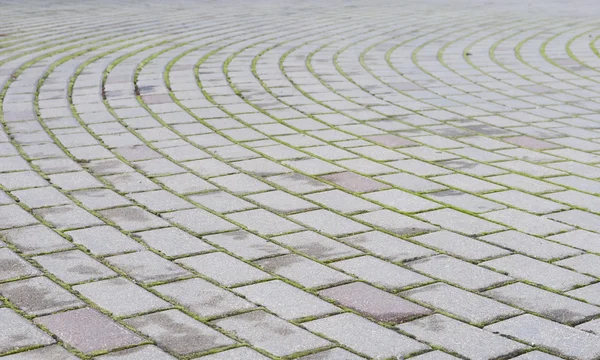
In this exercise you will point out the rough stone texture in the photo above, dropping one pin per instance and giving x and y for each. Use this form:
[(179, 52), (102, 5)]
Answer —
[(19, 333)]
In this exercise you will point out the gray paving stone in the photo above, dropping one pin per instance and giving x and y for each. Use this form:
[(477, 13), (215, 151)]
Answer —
[(178, 333), (329, 223), (133, 218), (577, 218), (241, 184), (342, 202), (388, 246), (588, 293), (224, 269), (160, 201), (98, 199), (138, 353), (246, 245), (39, 296), (66, 217), (237, 353), (435, 355), (281, 202), (147, 267), (396, 223), (333, 354), (199, 221), (221, 202), (465, 201), (52, 352), (530, 245), (255, 327), (558, 338), (459, 245), (553, 306), (461, 338), (74, 266), (185, 183), (88, 330), (18, 333), (526, 202), (354, 182), (104, 240), (316, 245), (41, 197), (539, 272), (516, 181), (411, 182), (173, 242), (525, 222), (586, 264), (12, 216), (580, 239), (35, 239), (305, 272), (459, 272), (591, 326), (364, 336), (467, 183), (285, 300), (536, 355), (460, 222), (131, 182)]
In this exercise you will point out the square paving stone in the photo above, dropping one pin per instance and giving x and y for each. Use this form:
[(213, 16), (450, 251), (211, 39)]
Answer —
[(561, 339), (121, 297), (173, 242), (303, 271), (286, 301), (199, 221), (555, 307), (88, 331), (459, 245), (465, 305), (18, 333), (395, 222), (52, 352), (246, 245), (35, 239), (270, 333), (147, 267), (402, 201), (264, 222), (67, 217), (354, 182), (39, 296), (329, 223), (316, 245), (365, 337), (133, 218), (224, 269), (281, 202), (145, 352), (538, 272), (237, 353), (461, 338), (178, 333), (530, 245), (388, 246), (13, 266), (459, 222), (14, 216), (104, 240), (459, 272), (374, 303), (74, 266), (203, 298)]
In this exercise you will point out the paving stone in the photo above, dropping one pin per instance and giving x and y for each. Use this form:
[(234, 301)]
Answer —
[(526, 202), (553, 306), (333, 354), (160, 201), (586, 264), (524, 183), (12, 216), (178, 333), (173, 242), (396, 223), (305, 272), (577, 218), (98, 199), (578, 183), (224, 269), (185, 183), (558, 338), (66, 217), (578, 199), (460, 222), (88, 331), (465, 201), (75, 181), (467, 183), (35, 239), (525, 222), (40, 197), (52, 352), (591, 326), (246, 245), (264, 222), (580, 239), (539, 272), (364, 336), (199, 221), (285, 300), (138, 353), (281, 202), (354, 182), (237, 353), (411, 182), (316, 245), (461, 338), (419, 168), (402, 201), (133, 218), (147, 267), (588, 293), (536, 355), (131, 182), (465, 305), (459, 272), (74, 266), (342, 202), (255, 327), (221, 202), (18, 333), (530, 245), (435, 355), (329, 223), (459, 245), (388, 246), (104, 240)]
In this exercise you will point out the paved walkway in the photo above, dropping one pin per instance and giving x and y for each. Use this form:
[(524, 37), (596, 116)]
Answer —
[(299, 179)]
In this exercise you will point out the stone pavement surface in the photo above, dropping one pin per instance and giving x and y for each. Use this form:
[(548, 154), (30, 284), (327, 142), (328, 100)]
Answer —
[(299, 179)]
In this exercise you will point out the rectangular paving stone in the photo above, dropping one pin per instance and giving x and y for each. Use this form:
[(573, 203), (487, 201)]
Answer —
[(257, 328), (411, 182), (374, 303), (35, 239), (98, 199), (298, 183), (354, 182), (591, 326), (402, 201), (281, 202), (539, 272), (585, 264), (460, 338), (332, 354), (224, 269), (178, 333), (18, 333), (525, 222), (264, 222), (121, 297), (590, 293), (160, 201), (465, 305), (139, 352), (395, 222), (564, 340), (316, 245), (52, 352), (74, 266), (576, 182), (221, 202), (246, 245), (66, 217), (286, 301), (459, 245), (553, 306), (39, 296), (186, 183), (467, 183), (241, 184), (530, 203), (147, 267), (329, 223), (88, 330), (516, 181), (530, 245), (173, 242), (203, 298), (580, 239), (199, 221), (41, 197), (133, 218), (458, 272), (388, 246), (131, 182), (578, 218), (104, 240), (465, 201), (365, 337), (520, 166), (460, 222), (304, 271), (343, 202), (578, 199), (14, 216)]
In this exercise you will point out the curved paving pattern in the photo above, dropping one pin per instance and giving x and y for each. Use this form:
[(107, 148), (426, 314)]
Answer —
[(312, 180)]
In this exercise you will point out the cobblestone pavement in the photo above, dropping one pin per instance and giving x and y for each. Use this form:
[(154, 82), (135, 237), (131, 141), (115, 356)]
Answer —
[(309, 179)]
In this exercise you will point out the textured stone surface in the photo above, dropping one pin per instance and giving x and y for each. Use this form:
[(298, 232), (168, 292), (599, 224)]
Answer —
[(19, 333)]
